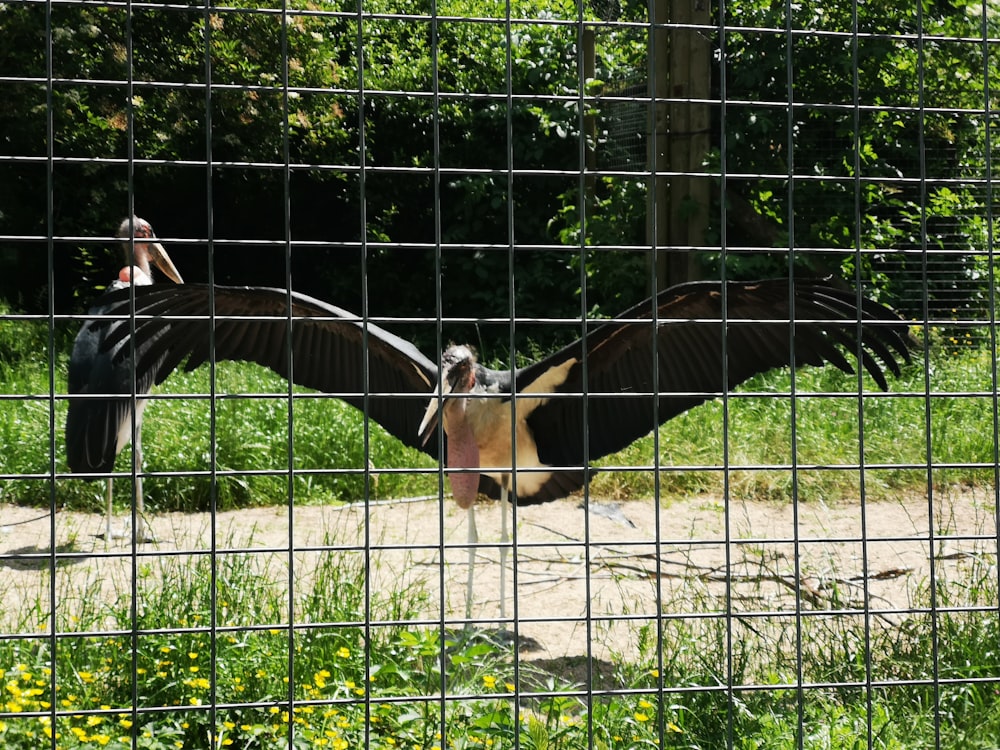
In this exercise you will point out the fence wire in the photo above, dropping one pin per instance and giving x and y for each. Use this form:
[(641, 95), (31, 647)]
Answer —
[(802, 560)]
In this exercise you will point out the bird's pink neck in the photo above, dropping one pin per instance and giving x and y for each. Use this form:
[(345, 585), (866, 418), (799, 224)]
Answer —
[(463, 453), (135, 275)]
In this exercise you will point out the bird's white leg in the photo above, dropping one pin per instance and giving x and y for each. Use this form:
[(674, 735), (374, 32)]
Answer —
[(473, 539), (109, 516), (503, 553), (142, 530)]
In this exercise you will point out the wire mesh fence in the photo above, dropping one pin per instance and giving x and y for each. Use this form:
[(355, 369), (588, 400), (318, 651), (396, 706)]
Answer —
[(749, 513)]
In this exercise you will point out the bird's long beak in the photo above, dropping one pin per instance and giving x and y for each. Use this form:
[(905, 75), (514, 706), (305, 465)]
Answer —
[(162, 261), (432, 416)]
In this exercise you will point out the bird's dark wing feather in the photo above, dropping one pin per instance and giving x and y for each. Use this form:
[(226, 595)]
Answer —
[(326, 352), (686, 347), (93, 424)]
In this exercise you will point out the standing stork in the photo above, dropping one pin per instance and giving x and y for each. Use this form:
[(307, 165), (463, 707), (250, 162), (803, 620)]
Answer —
[(97, 429), (626, 376)]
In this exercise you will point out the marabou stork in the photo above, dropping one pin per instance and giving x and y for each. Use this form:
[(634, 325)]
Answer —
[(98, 428), (658, 359)]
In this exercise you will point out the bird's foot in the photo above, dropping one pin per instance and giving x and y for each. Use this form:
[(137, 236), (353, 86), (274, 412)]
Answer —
[(143, 534), (111, 534)]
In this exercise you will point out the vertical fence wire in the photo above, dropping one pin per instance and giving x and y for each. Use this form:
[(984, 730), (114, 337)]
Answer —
[(991, 316), (50, 621), (862, 507)]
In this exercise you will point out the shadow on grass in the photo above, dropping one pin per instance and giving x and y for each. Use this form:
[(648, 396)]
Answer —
[(40, 558)]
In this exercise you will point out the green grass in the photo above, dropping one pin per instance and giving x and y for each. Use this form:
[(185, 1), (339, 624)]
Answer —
[(251, 438), (887, 432), (199, 636), (206, 632), (251, 441)]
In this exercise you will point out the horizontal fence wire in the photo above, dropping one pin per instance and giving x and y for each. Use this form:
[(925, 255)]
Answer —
[(705, 522)]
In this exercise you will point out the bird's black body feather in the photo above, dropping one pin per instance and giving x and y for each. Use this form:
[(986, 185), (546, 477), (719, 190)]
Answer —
[(93, 425)]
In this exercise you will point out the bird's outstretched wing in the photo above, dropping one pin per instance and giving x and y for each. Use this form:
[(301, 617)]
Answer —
[(326, 350), (628, 359)]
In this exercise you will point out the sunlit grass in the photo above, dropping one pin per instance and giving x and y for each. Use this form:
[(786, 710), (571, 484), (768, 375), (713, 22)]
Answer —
[(763, 444), (213, 653), (760, 443)]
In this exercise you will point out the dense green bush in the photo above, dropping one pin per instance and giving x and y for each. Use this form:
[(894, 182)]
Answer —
[(398, 131)]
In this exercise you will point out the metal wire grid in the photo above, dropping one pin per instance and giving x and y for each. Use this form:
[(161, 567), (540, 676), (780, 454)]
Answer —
[(669, 609)]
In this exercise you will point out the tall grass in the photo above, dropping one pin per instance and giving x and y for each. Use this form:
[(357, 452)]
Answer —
[(897, 436), (208, 654), (215, 651), (246, 454), (766, 443)]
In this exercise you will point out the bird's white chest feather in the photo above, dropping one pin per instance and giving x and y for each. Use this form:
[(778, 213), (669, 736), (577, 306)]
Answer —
[(491, 419)]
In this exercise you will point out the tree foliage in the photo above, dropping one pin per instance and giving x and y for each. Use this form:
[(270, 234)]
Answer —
[(349, 147), (868, 124)]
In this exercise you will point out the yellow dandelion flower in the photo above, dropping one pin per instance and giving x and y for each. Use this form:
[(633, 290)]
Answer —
[(343, 652), (489, 681), (640, 716)]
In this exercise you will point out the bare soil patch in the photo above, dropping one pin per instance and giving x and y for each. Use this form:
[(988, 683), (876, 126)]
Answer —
[(584, 581)]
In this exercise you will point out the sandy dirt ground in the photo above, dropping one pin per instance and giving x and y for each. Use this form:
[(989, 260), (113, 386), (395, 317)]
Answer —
[(573, 598)]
